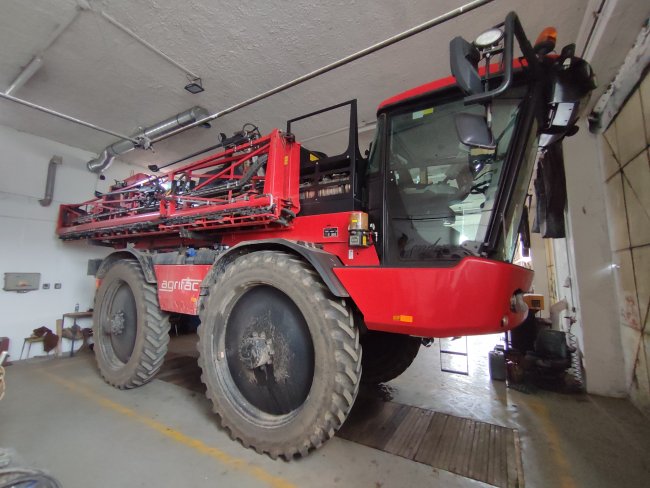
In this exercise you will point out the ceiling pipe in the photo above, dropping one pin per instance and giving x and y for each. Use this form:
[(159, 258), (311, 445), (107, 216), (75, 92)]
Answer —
[(441, 19), (108, 155), (104, 160), (148, 45), (25, 75), (37, 61), (63, 116), (49, 182)]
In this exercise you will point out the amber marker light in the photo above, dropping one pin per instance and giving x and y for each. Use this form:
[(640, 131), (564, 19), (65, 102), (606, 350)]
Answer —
[(358, 221), (407, 319), (546, 40)]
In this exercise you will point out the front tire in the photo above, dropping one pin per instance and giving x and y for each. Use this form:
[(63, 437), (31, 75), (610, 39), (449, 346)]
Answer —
[(131, 332), (386, 356), (280, 355)]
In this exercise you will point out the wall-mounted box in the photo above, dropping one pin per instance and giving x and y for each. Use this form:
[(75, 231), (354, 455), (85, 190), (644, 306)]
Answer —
[(22, 282)]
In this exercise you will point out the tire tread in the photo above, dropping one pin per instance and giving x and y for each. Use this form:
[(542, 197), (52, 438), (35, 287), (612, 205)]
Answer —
[(156, 337), (342, 332)]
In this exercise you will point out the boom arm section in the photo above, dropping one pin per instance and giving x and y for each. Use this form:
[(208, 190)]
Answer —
[(252, 184)]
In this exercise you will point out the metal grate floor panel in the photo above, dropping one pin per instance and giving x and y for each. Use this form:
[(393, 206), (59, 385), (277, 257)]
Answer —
[(478, 450)]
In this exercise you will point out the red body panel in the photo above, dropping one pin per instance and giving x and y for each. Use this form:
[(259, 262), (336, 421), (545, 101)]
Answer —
[(467, 299), (311, 229), (418, 90), (179, 286)]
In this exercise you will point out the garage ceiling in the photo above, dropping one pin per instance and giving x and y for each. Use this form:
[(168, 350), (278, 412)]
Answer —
[(96, 72)]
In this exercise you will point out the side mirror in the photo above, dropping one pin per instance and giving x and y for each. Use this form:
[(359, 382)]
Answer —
[(464, 59), (473, 131)]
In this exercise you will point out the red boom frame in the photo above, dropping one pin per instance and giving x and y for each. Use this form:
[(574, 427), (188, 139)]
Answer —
[(145, 207)]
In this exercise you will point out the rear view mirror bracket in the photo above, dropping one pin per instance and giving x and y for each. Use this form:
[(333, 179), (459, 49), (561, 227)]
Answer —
[(465, 57)]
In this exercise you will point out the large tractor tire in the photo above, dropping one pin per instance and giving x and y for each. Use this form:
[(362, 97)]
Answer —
[(280, 356), (131, 332), (386, 356)]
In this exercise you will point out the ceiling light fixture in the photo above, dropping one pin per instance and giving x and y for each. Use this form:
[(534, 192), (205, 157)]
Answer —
[(195, 86)]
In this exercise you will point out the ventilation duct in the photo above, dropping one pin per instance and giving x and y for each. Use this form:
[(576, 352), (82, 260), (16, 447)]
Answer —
[(49, 182), (106, 157)]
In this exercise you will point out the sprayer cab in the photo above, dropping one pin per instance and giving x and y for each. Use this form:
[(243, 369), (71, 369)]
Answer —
[(452, 160)]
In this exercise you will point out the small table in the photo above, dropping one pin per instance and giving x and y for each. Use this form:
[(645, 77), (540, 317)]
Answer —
[(74, 316)]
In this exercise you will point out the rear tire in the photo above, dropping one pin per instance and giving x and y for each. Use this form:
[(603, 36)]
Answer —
[(386, 356), (131, 332), (280, 356)]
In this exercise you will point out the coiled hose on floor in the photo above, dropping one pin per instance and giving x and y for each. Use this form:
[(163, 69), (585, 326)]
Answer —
[(26, 477), (575, 370), (3, 356), (2, 382)]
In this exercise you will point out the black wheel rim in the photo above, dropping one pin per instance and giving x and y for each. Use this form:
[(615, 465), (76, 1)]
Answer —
[(269, 350), (121, 322)]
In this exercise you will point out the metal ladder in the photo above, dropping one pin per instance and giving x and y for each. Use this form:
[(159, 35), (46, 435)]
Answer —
[(447, 351)]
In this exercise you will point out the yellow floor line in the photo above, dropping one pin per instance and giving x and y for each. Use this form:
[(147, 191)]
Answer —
[(175, 435), (58, 363), (561, 463)]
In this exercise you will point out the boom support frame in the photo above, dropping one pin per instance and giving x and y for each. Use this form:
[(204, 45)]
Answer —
[(252, 184)]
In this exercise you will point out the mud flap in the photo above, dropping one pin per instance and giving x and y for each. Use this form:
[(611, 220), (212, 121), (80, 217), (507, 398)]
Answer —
[(550, 191)]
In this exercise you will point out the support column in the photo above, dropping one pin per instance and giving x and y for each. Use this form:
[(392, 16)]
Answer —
[(590, 258)]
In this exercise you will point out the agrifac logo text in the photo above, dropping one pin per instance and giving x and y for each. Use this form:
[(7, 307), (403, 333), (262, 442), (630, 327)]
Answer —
[(186, 284)]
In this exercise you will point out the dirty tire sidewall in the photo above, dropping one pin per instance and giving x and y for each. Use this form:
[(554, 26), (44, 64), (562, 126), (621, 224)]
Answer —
[(337, 356), (152, 328)]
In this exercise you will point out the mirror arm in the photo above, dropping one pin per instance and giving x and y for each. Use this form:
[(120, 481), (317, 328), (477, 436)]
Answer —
[(512, 29)]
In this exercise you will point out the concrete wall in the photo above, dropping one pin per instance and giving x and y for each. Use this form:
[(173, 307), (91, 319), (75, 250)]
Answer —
[(583, 269), (602, 268), (27, 233), (626, 173)]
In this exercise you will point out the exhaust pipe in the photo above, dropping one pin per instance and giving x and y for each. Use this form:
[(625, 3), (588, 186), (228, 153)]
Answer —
[(106, 157), (49, 182)]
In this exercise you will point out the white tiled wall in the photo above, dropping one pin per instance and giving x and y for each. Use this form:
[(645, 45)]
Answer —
[(627, 177)]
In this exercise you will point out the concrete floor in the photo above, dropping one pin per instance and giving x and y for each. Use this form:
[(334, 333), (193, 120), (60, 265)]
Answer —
[(59, 415)]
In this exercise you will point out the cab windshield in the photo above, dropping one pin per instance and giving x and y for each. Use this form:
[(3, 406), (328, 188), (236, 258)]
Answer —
[(441, 193)]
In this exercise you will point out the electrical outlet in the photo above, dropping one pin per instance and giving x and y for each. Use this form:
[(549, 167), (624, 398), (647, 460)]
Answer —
[(57, 286), (46, 286)]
